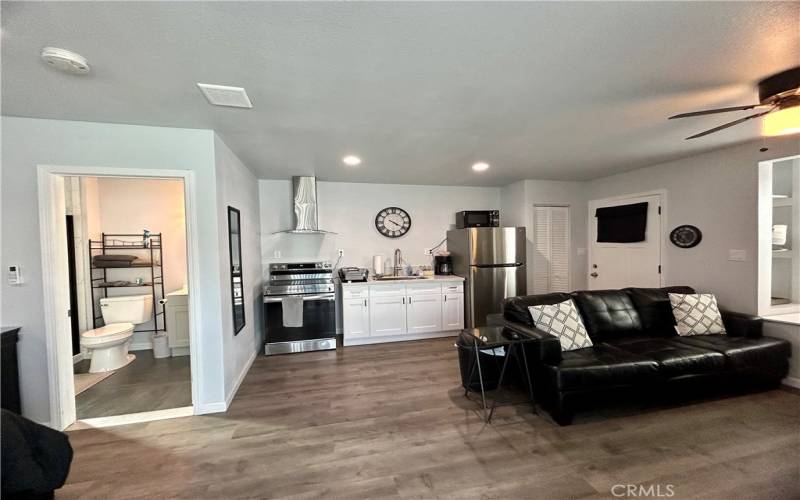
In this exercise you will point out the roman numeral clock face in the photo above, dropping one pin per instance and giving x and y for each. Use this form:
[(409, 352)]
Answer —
[(392, 222)]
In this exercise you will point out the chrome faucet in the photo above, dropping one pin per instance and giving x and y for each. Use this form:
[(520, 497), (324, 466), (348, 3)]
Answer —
[(398, 262)]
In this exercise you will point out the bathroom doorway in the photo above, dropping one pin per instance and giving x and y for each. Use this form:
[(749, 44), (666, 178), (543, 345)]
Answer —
[(132, 260), (125, 279)]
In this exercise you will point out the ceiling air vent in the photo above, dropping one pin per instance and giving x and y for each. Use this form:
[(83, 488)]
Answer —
[(221, 95)]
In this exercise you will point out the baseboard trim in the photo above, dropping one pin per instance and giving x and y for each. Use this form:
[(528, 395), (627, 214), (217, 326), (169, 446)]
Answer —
[(204, 409), (141, 346), (792, 382), (239, 380), (396, 338), (131, 418)]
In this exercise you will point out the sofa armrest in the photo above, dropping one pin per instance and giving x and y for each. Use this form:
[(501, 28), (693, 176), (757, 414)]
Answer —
[(546, 349), (741, 325)]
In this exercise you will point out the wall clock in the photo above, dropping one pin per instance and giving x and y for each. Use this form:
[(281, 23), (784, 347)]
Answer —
[(686, 236), (393, 222)]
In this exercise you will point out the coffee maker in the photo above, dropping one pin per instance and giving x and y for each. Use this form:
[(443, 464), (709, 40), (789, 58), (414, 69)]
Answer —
[(443, 264)]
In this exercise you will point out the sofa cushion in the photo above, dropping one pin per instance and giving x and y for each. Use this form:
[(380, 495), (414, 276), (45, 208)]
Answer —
[(563, 321), (696, 314), (600, 366), (674, 359), (743, 352), (654, 308), (516, 308), (608, 313)]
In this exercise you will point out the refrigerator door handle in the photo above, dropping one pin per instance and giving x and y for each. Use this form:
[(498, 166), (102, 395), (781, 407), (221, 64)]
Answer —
[(513, 264)]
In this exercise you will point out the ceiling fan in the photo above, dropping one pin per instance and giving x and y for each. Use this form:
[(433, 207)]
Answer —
[(779, 96)]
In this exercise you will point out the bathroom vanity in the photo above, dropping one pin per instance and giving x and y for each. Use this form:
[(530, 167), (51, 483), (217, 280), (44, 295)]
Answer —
[(177, 315), (402, 309)]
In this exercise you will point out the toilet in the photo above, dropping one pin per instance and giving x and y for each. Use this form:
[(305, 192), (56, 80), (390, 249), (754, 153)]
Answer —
[(108, 345)]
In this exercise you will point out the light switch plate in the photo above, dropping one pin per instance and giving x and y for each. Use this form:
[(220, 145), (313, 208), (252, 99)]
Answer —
[(737, 255)]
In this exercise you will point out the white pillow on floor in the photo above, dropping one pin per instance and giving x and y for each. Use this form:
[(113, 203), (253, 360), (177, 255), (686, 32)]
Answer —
[(696, 314), (563, 321)]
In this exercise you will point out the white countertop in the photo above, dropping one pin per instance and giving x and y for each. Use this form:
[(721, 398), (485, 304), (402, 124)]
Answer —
[(439, 278)]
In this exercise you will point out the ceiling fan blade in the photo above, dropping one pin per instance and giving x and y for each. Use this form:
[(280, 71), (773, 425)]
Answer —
[(714, 111), (731, 124)]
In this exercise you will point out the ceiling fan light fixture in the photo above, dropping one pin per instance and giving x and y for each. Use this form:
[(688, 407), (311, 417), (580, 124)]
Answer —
[(782, 122)]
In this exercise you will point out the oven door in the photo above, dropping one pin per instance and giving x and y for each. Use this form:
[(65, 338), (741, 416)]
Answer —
[(317, 332)]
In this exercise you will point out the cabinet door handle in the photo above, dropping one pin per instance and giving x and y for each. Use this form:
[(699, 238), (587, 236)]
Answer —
[(404, 300), (445, 298), (409, 300), (365, 302)]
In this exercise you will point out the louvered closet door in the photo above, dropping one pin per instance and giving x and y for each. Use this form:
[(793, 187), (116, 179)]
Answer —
[(551, 243)]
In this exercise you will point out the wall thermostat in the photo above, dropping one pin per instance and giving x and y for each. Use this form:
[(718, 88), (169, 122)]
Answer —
[(14, 275)]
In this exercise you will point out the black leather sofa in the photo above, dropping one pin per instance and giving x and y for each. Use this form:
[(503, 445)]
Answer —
[(637, 352)]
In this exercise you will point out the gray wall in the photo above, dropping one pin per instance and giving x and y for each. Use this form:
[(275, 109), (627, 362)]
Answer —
[(238, 187), (717, 192), (29, 142)]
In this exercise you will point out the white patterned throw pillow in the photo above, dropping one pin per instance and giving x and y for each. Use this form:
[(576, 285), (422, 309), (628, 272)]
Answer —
[(563, 321), (696, 314)]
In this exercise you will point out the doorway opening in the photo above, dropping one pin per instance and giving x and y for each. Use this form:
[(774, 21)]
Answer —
[(117, 248)]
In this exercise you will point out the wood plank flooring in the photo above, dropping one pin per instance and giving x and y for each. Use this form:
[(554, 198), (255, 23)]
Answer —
[(146, 384), (390, 421)]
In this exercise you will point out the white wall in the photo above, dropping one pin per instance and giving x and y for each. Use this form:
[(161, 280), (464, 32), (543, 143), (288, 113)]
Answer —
[(238, 187), (349, 209), (717, 192), (27, 143)]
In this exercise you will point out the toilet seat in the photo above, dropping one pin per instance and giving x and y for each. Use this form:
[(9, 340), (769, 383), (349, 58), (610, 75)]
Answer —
[(109, 333)]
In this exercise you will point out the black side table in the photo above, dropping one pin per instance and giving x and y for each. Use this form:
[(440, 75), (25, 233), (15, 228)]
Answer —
[(490, 338)]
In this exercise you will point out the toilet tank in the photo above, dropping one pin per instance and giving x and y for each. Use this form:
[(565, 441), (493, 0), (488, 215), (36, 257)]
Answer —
[(127, 309)]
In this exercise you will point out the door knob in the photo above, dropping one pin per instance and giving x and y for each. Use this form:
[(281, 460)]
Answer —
[(594, 275)]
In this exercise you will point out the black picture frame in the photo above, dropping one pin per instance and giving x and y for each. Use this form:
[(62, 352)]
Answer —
[(237, 280)]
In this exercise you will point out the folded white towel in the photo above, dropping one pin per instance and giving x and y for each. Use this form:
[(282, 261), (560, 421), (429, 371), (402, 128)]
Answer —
[(293, 311)]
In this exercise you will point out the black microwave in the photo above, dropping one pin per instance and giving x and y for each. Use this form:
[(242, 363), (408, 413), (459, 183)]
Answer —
[(478, 218)]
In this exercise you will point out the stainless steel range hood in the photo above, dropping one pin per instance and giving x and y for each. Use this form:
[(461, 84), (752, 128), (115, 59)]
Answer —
[(304, 195)]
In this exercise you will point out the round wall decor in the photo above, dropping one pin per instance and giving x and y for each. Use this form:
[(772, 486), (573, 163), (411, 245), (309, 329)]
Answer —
[(686, 236), (393, 222)]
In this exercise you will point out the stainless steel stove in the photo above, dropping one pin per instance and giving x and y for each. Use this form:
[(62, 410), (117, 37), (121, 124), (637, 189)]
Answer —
[(300, 308)]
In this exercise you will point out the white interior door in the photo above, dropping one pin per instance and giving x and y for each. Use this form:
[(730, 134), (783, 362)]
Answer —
[(620, 265), (551, 249)]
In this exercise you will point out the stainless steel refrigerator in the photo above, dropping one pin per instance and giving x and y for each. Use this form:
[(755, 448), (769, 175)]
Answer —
[(492, 262)]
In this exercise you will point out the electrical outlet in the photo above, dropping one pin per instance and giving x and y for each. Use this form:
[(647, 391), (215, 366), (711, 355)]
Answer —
[(340, 253), (426, 251), (276, 254)]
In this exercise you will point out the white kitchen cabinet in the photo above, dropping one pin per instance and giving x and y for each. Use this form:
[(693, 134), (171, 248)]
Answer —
[(376, 312), (452, 311), (424, 313), (355, 317), (387, 315)]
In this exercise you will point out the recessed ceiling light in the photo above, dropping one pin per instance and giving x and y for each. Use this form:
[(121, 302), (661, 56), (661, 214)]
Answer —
[(65, 60), (222, 95), (351, 160), (480, 166)]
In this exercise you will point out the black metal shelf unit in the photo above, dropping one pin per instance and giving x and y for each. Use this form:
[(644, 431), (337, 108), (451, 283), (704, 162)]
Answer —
[(140, 246)]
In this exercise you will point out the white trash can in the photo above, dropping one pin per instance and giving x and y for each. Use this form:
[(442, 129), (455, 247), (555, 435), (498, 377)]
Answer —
[(160, 346)]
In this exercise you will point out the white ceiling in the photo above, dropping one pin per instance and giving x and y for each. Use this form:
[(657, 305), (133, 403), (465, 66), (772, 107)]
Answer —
[(419, 90)]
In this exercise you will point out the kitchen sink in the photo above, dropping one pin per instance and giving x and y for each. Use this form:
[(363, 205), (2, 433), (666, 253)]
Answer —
[(400, 278)]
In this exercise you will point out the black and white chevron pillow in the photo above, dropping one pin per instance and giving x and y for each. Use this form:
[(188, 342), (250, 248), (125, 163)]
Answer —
[(696, 314), (564, 321)]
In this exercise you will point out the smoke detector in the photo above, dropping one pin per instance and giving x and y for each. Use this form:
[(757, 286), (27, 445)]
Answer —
[(65, 60), (221, 95)]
